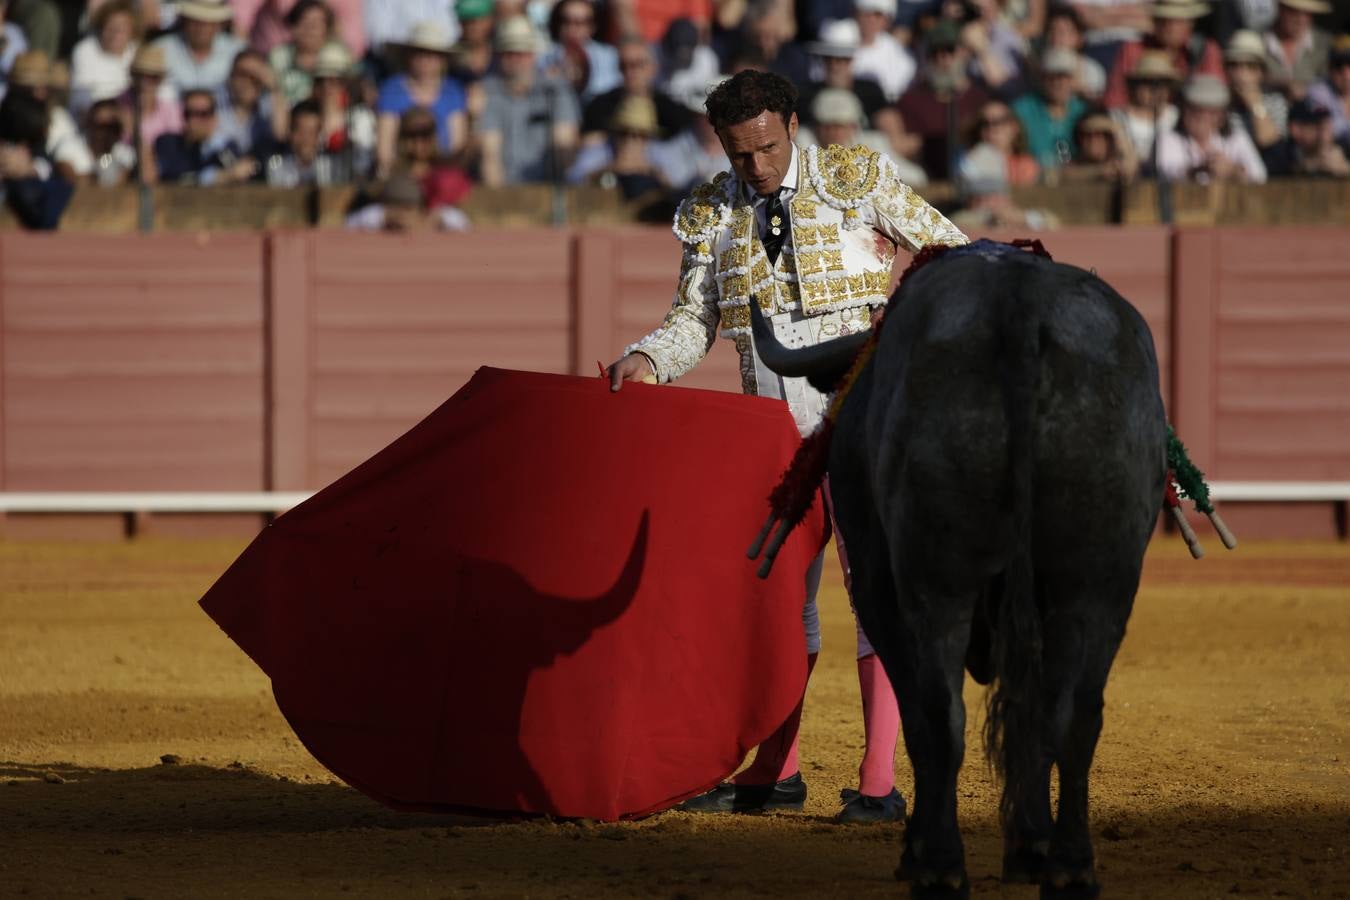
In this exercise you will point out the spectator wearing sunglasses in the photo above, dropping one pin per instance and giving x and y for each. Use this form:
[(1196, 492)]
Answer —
[(590, 67), (196, 155), (105, 129)]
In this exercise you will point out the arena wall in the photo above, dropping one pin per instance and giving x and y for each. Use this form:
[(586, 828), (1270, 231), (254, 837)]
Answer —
[(279, 360)]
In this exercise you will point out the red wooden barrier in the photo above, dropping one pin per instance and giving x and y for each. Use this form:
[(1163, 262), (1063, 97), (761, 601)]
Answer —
[(131, 363), (281, 361)]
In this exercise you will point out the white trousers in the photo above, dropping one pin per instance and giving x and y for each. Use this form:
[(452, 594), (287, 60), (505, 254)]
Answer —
[(807, 405)]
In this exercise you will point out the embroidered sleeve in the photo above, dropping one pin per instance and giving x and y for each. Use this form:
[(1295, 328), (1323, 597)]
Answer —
[(689, 329), (909, 220)]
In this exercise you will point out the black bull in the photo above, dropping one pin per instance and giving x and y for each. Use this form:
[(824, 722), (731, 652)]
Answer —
[(996, 471)]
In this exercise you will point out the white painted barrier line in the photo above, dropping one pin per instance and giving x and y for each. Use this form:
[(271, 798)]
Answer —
[(280, 501), (151, 502)]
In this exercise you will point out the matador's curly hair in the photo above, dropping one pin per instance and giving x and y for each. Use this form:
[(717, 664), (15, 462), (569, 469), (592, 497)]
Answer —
[(747, 94)]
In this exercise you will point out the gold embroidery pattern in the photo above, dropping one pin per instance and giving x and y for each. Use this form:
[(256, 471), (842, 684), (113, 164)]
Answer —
[(748, 382), (802, 208), (848, 174)]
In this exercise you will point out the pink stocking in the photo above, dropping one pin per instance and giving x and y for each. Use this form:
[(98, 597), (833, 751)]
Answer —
[(776, 757), (881, 725)]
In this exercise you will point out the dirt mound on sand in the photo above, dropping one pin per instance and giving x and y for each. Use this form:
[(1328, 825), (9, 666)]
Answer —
[(1222, 769)]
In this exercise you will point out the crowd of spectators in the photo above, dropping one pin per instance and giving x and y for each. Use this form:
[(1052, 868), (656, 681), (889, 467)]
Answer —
[(426, 98)]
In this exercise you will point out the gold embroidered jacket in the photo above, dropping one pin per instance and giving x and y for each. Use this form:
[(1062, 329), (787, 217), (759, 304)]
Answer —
[(850, 212)]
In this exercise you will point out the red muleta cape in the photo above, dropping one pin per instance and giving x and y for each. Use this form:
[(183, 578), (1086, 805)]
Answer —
[(536, 601)]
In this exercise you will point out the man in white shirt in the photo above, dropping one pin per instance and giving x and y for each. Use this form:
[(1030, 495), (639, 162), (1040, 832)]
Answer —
[(880, 56), (1206, 147)]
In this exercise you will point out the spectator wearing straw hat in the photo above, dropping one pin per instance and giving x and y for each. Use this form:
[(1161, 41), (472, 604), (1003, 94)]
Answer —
[(246, 111), (264, 23), (834, 53), (838, 118), (1064, 29), (1205, 146), (313, 26), (637, 63), (347, 125), (1311, 149), (425, 58), (880, 56), (1333, 92), (65, 146), (1148, 107), (1049, 115), (153, 102), (100, 64), (1263, 113), (1296, 51), (1174, 33), (529, 129), (200, 52), (390, 23), (626, 160)]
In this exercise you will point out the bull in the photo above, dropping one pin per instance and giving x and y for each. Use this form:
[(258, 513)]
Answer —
[(996, 469)]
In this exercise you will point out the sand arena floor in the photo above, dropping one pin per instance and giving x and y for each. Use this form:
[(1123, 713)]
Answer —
[(1224, 767)]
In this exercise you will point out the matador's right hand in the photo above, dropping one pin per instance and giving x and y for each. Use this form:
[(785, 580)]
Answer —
[(633, 367)]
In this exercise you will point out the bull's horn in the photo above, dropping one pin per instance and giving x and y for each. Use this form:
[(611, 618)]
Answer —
[(827, 357)]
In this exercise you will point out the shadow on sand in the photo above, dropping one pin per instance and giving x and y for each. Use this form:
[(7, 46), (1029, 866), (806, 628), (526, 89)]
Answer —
[(245, 828)]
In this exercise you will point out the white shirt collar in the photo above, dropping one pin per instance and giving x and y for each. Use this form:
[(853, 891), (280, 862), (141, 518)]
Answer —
[(787, 188)]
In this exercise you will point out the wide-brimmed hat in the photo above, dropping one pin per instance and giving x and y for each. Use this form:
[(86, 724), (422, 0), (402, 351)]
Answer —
[(1245, 46), (516, 35), (635, 114), (1059, 61), (1178, 9), (836, 106), (149, 60), (205, 10), (32, 69), (1153, 65), (837, 39), (332, 61), (1206, 92), (885, 7), (429, 37), (1316, 7)]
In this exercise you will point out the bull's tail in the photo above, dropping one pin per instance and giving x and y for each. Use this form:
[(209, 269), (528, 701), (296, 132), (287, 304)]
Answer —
[(1013, 711)]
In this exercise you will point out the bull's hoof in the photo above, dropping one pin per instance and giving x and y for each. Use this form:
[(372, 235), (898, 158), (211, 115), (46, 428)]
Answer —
[(1066, 884), (1026, 865), (940, 886)]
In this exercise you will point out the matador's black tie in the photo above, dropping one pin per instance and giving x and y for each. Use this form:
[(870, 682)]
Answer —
[(775, 227)]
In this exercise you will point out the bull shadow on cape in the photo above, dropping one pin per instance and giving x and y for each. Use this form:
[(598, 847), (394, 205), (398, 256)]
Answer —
[(472, 754)]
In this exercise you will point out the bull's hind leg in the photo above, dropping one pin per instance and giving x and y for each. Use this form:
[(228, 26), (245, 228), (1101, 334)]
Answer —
[(928, 672), (1083, 632), (924, 664)]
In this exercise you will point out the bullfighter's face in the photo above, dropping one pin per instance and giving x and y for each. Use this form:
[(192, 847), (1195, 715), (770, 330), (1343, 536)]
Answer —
[(760, 150)]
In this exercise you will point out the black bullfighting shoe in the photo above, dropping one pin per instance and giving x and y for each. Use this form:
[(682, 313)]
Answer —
[(790, 793), (861, 809)]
